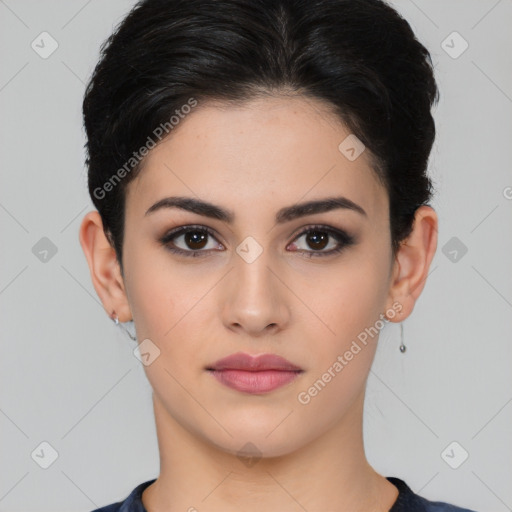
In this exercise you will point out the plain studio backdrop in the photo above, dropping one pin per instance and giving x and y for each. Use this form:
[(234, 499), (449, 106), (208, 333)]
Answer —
[(74, 398)]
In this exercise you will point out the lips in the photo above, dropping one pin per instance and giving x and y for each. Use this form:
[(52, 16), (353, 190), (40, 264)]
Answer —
[(246, 362), (254, 375)]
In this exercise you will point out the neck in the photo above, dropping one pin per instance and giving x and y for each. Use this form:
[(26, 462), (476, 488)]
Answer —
[(329, 473)]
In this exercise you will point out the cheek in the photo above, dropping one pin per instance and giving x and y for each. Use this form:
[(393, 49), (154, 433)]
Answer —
[(168, 308), (350, 312), (348, 304), (353, 298), (152, 302), (153, 295)]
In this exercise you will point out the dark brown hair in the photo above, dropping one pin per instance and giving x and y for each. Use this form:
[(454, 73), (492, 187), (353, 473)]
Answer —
[(359, 56)]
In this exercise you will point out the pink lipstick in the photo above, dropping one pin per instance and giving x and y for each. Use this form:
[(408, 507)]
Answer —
[(255, 375)]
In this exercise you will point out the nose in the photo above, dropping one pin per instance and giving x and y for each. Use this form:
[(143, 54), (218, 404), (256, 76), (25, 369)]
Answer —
[(256, 297)]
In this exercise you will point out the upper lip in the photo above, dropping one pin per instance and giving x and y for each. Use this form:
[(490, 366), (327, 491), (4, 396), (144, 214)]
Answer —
[(242, 361)]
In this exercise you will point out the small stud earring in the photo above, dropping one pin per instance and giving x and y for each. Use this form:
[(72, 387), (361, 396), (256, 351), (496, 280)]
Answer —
[(114, 317)]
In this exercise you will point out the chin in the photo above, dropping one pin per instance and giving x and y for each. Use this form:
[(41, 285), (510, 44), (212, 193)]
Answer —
[(251, 446), (258, 434)]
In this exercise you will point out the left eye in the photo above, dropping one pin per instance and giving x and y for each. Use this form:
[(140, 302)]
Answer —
[(318, 238)]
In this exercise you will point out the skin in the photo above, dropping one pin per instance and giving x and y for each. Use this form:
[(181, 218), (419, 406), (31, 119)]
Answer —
[(254, 160)]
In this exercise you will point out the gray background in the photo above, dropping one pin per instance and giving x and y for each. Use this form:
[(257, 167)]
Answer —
[(68, 375)]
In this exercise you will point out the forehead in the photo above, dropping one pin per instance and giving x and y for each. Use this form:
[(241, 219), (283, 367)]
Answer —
[(281, 150)]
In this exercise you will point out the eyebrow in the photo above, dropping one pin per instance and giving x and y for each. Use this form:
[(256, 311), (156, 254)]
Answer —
[(286, 214)]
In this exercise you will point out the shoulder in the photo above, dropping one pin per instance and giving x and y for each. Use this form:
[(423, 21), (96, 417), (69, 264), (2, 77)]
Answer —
[(441, 506), (408, 501), (133, 502)]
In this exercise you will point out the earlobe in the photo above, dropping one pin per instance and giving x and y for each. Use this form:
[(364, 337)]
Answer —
[(104, 266), (413, 261)]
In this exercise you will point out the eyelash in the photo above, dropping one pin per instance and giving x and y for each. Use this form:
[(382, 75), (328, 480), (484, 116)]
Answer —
[(344, 240)]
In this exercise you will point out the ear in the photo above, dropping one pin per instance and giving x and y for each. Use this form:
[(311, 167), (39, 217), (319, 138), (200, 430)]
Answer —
[(412, 262), (104, 267)]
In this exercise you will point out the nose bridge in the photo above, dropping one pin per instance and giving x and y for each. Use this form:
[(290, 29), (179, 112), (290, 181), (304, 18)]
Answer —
[(256, 299)]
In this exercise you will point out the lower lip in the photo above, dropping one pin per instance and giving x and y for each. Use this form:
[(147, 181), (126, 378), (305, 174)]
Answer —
[(254, 382)]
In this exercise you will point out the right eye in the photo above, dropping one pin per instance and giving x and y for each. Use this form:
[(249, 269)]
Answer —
[(194, 240)]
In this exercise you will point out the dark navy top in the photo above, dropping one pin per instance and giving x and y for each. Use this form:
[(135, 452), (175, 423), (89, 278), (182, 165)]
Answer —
[(407, 501)]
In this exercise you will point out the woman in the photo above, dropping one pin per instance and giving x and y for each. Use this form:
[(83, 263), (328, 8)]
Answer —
[(259, 173)]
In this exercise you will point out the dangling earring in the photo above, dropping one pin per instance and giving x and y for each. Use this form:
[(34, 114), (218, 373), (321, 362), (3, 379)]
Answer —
[(403, 348), (113, 316)]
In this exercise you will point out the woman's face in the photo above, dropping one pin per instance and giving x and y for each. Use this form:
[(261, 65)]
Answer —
[(257, 284)]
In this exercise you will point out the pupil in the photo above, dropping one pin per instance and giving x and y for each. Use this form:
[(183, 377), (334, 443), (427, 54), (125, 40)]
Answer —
[(318, 239), (195, 239)]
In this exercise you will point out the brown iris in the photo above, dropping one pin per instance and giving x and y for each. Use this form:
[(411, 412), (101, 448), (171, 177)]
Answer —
[(195, 239), (317, 239)]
